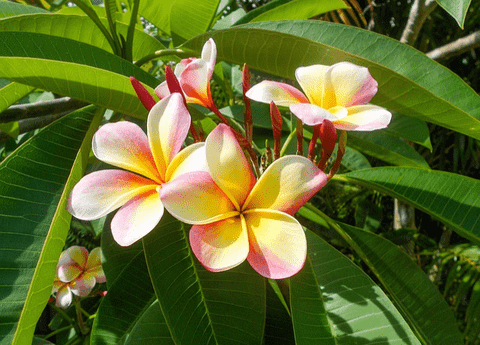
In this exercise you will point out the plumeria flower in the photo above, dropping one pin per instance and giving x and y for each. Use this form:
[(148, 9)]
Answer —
[(235, 217), (194, 76), (152, 162), (77, 273), (339, 93)]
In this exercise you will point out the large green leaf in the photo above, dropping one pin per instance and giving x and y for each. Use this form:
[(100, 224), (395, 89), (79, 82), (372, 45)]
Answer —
[(409, 82), (410, 128), (390, 149), (128, 303), (456, 8), (310, 319), (80, 28), (278, 322), (198, 14), (203, 307), (453, 199), (357, 310), (35, 182), (11, 93), (414, 294), (151, 328), (288, 9), (157, 12), (8, 9), (73, 69)]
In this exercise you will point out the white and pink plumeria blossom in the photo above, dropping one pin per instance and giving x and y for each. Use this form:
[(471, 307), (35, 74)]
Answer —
[(152, 161), (338, 93), (77, 273), (194, 76), (235, 217)]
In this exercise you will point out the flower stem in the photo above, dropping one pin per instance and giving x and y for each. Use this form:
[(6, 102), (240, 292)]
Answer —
[(78, 310), (66, 328), (163, 52), (287, 142)]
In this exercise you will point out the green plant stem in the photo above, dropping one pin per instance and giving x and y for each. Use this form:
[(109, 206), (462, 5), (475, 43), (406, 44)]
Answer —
[(131, 30), (164, 52), (78, 310), (66, 328), (64, 315), (287, 142)]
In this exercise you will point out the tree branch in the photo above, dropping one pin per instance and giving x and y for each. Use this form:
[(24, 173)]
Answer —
[(32, 110), (457, 47), (420, 10), (28, 125)]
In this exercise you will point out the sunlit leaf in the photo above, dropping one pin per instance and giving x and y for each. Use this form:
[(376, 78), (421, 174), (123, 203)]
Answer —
[(198, 14), (456, 8), (72, 68), (416, 297), (9, 8), (35, 182), (357, 310), (288, 9), (453, 199), (202, 307), (409, 82), (79, 28)]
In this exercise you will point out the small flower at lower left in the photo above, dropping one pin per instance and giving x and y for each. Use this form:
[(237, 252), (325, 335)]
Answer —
[(77, 273)]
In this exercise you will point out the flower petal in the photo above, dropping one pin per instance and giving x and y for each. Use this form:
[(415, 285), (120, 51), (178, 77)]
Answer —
[(286, 185), (353, 84), (313, 80), (364, 118), (280, 93), (278, 246), (101, 192), (195, 83), (194, 198), (228, 165), (312, 114), (125, 145), (191, 158), (69, 272), (137, 218), (74, 255), (94, 265), (64, 297), (221, 245), (168, 124), (83, 286), (162, 90), (209, 54)]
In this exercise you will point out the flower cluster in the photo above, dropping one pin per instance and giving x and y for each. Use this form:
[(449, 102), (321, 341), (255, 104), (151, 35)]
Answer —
[(237, 214), (77, 273)]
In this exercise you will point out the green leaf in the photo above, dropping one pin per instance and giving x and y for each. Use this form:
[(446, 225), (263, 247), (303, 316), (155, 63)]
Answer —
[(409, 82), (10, 128), (288, 9), (198, 14), (456, 8), (157, 12), (410, 128), (202, 307), (79, 28), (8, 9), (129, 299), (310, 320), (453, 199), (278, 323), (414, 294), (11, 93), (358, 311), (37, 60), (35, 182), (386, 147), (354, 160), (151, 328)]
